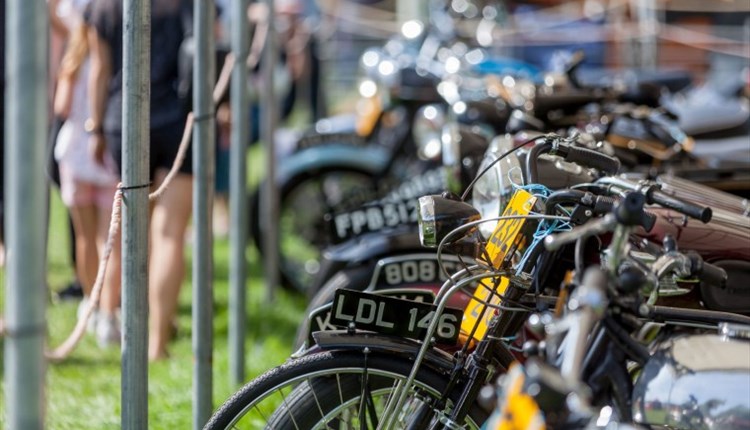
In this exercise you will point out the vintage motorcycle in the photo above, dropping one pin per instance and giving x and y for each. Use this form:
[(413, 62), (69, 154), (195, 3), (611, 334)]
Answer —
[(372, 375), (599, 364), (392, 259)]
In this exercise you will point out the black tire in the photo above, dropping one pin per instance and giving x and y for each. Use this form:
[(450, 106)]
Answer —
[(313, 391), (303, 232)]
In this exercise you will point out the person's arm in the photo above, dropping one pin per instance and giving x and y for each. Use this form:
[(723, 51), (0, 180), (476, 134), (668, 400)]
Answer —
[(63, 97), (57, 24), (99, 76)]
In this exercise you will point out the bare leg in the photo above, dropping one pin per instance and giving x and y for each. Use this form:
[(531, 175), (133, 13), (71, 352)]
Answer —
[(87, 259), (169, 220)]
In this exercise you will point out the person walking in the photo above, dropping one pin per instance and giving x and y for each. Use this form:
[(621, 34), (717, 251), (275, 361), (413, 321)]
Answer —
[(87, 188), (170, 213)]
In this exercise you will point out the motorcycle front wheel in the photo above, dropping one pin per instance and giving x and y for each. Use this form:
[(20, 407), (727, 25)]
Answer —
[(332, 390), (302, 229)]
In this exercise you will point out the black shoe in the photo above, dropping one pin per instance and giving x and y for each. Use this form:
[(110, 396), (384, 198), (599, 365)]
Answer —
[(72, 292)]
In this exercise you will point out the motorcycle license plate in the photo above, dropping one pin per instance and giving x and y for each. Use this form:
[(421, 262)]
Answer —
[(372, 218), (504, 241), (412, 269), (320, 318), (389, 315)]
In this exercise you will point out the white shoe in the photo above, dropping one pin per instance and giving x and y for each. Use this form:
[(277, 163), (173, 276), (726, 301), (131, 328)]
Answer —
[(108, 331), (91, 323)]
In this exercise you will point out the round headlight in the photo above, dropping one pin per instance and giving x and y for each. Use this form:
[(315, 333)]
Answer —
[(492, 191), (441, 214)]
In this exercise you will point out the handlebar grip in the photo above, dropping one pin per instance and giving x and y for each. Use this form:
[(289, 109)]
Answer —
[(702, 213), (630, 209), (604, 204), (707, 272), (591, 158)]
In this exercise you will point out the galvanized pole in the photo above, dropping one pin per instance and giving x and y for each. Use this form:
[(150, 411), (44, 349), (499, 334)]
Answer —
[(270, 199), (25, 293), (204, 149), (238, 192), (136, 72)]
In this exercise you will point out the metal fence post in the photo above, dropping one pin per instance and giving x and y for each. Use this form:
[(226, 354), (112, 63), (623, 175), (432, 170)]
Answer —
[(25, 294), (136, 72), (269, 195), (238, 192), (203, 197)]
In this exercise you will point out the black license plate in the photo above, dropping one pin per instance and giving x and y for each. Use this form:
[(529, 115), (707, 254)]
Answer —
[(373, 217), (389, 315), (320, 318), (412, 269)]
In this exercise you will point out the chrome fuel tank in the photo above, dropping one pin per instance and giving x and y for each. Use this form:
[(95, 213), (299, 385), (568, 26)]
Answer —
[(697, 382)]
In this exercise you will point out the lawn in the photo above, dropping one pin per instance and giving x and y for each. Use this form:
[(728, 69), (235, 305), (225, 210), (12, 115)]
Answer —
[(83, 392)]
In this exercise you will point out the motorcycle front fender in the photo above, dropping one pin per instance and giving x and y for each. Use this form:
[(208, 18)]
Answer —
[(370, 159), (435, 359)]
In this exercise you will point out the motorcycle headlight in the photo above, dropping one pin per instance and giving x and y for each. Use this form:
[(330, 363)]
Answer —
[(492, 191), (427, 131), (441, 214)]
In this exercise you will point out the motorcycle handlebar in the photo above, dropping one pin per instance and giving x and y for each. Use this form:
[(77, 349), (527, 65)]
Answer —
[(655, 196), (573, 154), (599, 204), (702, 213)]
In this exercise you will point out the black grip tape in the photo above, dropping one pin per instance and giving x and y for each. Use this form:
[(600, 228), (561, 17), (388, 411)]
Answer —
[(603, 204), (591, 158), (702, 213)]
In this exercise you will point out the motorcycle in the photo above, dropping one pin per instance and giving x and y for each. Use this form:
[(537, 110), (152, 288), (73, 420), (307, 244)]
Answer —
[(361, 262), (579, 377), (372, 373)]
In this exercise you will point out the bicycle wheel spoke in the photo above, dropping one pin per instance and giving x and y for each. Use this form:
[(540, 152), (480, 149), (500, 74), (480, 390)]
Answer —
[(289, 410), (371, 409), (315, 397), (260, 411), (338, 384)]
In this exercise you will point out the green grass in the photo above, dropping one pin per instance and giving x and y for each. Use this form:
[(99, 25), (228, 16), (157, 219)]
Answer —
[(83, 392)]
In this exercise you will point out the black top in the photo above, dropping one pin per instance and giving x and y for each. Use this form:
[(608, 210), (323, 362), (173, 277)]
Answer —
[(168, 29)]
